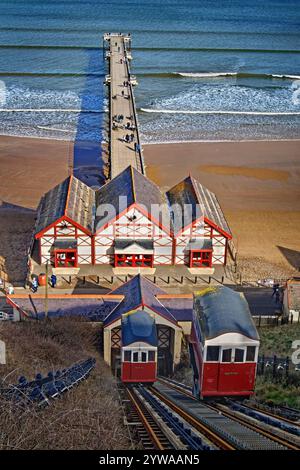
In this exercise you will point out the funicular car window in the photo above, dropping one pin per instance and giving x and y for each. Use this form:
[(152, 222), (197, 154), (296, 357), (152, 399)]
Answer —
[(144, 357), (135, 357), (226, 355), (213, 353), (151, 356), (127, 356), (250, 356), (239, 355)]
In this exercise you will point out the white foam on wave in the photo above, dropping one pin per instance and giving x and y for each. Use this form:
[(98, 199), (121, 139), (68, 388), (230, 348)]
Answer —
[(250, 113), (233, 74), (206, 74)]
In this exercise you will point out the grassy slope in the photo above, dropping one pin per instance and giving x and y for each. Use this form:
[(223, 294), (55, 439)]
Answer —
[(87, 417), (278, 340)]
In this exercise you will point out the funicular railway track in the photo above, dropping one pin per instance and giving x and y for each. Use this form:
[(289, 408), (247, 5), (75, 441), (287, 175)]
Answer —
[(235, 429), (158, 427)]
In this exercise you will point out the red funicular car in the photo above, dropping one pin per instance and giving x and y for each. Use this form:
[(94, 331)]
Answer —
[(139, 347), (224, 344)]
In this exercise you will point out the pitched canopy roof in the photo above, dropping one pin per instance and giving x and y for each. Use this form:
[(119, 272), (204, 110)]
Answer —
[(89, 208), (71, 198), (142, 292), (222, 310), (132, 187), (190, 201)]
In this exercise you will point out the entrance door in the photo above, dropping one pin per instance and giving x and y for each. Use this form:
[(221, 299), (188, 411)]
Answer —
[(165, 342), (134, 261), (200, 258), (65, 258)]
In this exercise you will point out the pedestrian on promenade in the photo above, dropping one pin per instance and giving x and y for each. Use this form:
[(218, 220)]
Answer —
[(53, 280), (131, 137), (275, 290), (34, 285)]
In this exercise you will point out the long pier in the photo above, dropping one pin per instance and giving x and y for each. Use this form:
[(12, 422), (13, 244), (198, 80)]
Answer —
[(124, 140)]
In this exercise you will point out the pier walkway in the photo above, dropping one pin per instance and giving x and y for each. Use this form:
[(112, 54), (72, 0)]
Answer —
[(122, 111)]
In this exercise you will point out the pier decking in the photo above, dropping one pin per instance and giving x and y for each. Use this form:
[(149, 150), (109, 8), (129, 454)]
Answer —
[(122, 111)]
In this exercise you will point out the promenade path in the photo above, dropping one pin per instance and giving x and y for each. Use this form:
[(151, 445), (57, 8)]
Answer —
[(121, 103)]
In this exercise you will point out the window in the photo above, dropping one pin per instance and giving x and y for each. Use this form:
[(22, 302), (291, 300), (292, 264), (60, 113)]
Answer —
[(135, 357), (250, 356), (151, 356), (226, 355), (127, 356), (144, 357), (212, 353), (239, 355), (200, 258)]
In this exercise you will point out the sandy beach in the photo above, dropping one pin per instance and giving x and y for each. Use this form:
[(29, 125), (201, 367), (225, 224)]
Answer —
[(257, 184)]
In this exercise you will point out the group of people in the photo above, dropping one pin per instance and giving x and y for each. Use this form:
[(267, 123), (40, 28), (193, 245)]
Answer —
[(128, 138), (35, 283)]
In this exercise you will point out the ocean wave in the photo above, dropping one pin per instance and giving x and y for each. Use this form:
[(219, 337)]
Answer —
[(235, 74), (250, 113), (49, 110), (216, 49), (51, 74)]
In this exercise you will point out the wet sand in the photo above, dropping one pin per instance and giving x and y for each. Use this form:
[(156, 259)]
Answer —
[(257, 184)]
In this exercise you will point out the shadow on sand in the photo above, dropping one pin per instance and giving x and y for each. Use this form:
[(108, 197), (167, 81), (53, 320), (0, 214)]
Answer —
[(87, 162), (16, 228), (292, 256)]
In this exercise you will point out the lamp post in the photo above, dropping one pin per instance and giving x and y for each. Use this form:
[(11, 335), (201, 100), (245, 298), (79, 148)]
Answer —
[(46, 290)]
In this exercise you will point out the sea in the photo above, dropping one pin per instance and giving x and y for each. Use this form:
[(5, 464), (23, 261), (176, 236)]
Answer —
[(207, 70)]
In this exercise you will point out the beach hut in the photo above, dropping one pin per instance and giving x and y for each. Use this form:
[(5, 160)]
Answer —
[(200, 230), (64, 224)]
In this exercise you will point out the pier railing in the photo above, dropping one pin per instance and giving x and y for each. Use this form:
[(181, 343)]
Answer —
[(136, 123)]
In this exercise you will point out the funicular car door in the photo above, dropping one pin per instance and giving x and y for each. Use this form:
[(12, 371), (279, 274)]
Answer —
[(138, 365), (233, 375), (211, 369)]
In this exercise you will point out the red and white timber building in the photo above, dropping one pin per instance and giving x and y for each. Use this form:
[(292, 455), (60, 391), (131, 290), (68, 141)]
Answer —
[(200, 230), (133, 236), (64, 227), (130, 223)]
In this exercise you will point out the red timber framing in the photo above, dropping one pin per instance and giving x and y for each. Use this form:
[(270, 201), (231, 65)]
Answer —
[(210, 231), (200, 258), (143, 212), (133, 261), (133, 229), (65, 228)]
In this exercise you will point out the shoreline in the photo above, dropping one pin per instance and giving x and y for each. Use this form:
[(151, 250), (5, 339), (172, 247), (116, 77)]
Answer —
[(163, 142)]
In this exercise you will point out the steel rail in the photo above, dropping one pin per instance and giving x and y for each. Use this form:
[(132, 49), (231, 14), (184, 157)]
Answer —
[(231, 415), (141, 413), (206, 431), (245, 422)]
